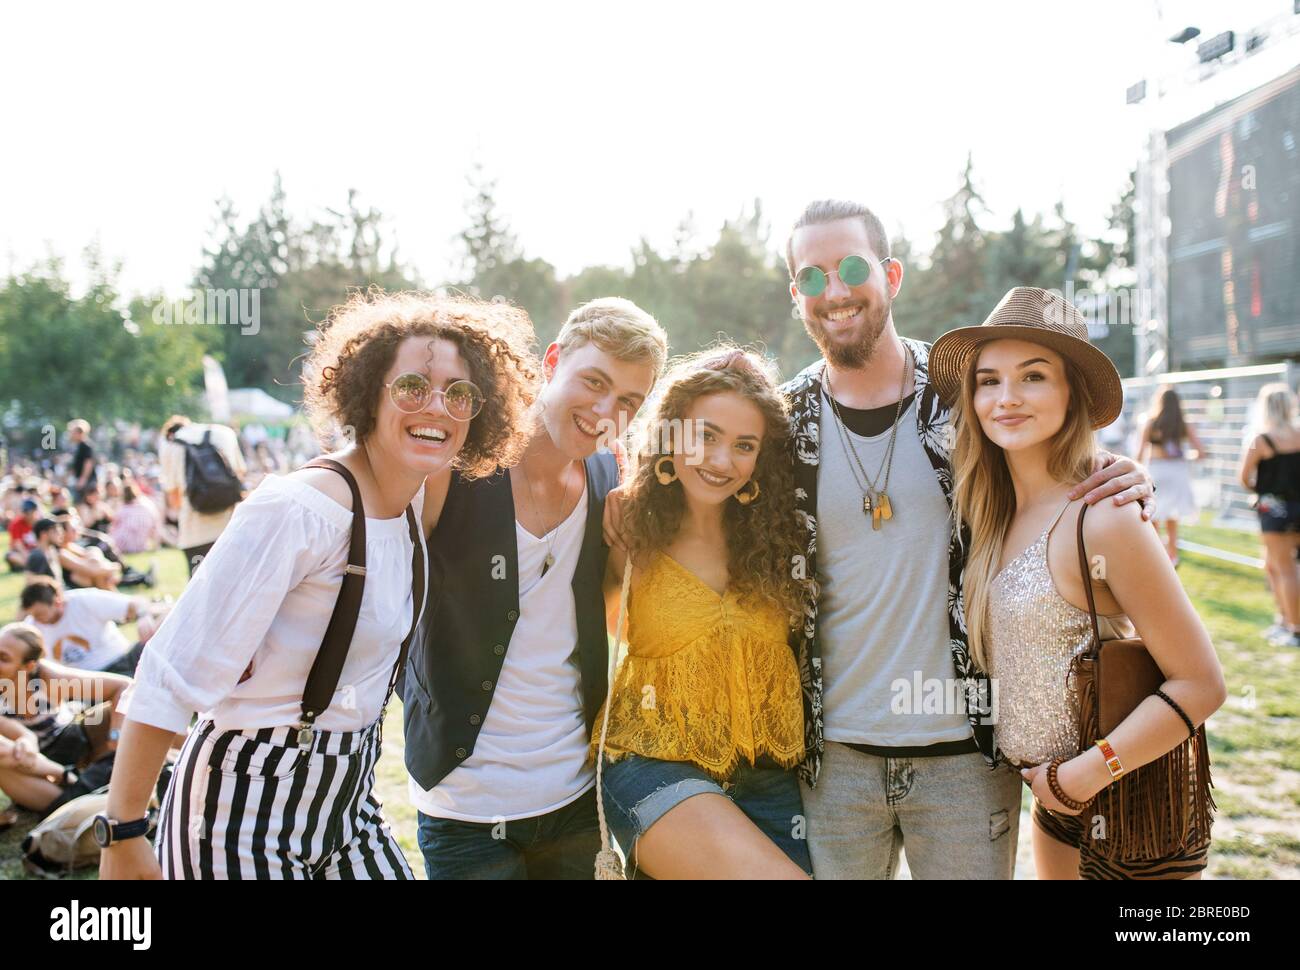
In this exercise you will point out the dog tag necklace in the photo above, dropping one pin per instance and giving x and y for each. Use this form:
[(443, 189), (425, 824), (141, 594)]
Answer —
[(875, 493)]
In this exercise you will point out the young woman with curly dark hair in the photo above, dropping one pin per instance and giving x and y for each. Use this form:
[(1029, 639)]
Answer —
[(707, 701), (266, 787)]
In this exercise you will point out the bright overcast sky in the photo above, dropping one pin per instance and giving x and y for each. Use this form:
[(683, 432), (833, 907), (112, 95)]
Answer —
[(602, 122)]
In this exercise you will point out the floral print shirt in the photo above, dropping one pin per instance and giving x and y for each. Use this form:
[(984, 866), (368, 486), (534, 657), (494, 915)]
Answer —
[(935, 430)]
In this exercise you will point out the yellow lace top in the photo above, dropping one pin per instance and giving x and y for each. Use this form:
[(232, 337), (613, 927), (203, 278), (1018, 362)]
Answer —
[(705, 680)]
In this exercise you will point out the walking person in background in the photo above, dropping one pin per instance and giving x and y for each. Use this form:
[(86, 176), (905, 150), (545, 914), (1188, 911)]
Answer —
[(1270, 467), (81, 470), (1165, 437), (197, 530)]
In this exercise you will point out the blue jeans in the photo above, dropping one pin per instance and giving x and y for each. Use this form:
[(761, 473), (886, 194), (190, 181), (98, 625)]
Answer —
[(558, 845), (957, 818), (639, 791)]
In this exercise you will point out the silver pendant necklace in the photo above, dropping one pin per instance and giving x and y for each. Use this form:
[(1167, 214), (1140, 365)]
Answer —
[(548, 537), (875, 494)]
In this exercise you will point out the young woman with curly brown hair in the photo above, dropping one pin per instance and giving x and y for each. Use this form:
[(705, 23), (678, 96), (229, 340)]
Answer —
[(707, 701), (267, 787)]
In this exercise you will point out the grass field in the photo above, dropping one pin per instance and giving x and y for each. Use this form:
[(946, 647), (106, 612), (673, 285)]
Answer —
[(1254, 738)]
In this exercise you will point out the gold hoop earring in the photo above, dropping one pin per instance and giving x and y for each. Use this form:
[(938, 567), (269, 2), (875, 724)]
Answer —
[(665, 478), (746, 497)]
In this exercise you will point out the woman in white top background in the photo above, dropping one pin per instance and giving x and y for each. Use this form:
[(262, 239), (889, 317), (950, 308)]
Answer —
[(1166, 435), (419, 384)]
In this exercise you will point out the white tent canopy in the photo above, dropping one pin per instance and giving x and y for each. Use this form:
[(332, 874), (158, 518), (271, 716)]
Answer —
[(256, 403)]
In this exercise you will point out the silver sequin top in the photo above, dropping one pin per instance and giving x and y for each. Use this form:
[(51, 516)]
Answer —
[(1034, 633)]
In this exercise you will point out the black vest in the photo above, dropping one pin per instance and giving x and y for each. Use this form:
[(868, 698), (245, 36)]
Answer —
[(472, 610)]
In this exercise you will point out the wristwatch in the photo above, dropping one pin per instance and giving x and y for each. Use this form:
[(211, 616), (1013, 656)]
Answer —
[(109, 831)]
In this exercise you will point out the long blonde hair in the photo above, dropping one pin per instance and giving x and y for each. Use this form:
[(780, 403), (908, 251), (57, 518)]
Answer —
[(1276, 407), (985, 498)]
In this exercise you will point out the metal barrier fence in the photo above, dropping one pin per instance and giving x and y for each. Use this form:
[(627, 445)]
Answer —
[(1219, 404)]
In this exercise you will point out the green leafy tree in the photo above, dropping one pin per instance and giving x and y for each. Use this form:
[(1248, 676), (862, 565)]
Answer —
[(299, 272), (950, 290), (65, 356), (495, 267)]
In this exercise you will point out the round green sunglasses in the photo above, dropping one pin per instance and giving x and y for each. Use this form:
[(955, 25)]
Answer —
[(853, 271)]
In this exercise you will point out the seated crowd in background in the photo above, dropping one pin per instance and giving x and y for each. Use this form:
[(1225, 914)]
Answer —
[(67, 661)]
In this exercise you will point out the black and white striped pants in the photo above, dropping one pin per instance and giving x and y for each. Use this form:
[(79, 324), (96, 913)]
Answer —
[(252, 805)]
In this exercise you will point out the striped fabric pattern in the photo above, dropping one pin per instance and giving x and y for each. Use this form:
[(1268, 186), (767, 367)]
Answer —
[(1070, 830), (43, 719), (252, 805)]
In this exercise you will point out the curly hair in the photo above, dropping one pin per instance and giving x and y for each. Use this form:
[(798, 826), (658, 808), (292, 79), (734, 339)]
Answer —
[(762, 538), (356, 343)]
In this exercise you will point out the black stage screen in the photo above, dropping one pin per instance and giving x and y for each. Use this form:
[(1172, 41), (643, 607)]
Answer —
[(1234, 211)]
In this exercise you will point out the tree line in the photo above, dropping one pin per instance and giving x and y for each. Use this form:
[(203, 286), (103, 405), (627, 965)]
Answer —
[(104, 355)]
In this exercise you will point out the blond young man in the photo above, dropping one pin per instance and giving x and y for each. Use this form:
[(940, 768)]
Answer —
[(505, 680)]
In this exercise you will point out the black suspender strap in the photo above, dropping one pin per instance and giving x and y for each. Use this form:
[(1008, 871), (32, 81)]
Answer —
[(328, 665), (326, 669), (417, 573)]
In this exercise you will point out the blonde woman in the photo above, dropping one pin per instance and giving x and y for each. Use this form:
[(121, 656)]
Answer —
[(1270, 467), (1029, 392)]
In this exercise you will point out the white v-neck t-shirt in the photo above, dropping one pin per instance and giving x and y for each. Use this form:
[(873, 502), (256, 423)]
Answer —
[(531, 752)]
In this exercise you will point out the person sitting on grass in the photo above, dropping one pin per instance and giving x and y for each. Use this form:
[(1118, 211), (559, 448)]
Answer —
[(22, 540), (80, 626), (136, 526), (94, 511), (44, 560), (83, 566), (58, 726), (97, 545)]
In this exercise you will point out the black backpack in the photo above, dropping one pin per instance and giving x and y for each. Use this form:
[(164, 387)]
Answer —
[(210, 485)]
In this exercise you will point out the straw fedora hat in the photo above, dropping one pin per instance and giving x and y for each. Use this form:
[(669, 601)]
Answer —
[(1042, 317)]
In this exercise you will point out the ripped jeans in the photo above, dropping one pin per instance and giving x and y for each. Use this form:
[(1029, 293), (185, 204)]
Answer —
[(958, 818)]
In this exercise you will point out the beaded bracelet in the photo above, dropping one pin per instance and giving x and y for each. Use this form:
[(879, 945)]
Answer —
[(1058, 792), (1191, 728)]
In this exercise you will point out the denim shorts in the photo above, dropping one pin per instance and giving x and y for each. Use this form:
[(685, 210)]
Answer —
[(1278, 514), (639, 791)]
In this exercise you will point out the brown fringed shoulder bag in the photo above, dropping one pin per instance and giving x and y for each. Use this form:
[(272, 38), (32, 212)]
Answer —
[(1164, 807)]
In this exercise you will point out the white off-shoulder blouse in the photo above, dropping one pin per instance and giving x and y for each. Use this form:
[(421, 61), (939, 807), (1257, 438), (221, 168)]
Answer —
[(264, 594)]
